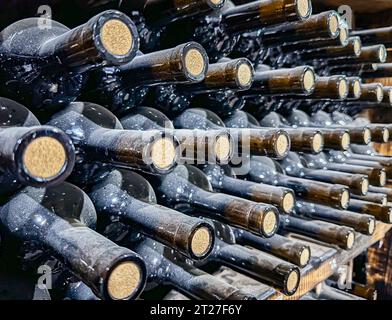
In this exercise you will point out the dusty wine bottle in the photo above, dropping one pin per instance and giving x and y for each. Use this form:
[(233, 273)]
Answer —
[(282, 247), (223, 179), (111, 271), (379, 198), (341, 236), (371, 54), (99, 136), (380, 212), (362, 223), (386, 191), (61, 57), (355, 88), (188, 189), (125, 194), (374, 36)]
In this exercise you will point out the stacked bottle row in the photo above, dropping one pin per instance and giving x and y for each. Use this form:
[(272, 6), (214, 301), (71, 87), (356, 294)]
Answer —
[(142, 151)]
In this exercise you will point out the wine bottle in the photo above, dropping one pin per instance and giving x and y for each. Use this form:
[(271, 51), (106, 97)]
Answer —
[(355, 88), (61, 58), (166, 267), (379, 198), (341, 236), (198, 146), (329, 293), (275, 143), (123, 87), (223, 179), (362, 223), (372, 92), (331, 88), (80, 292), (265, 170), (380, 212), (374, 36), (127, 195), (99, 137), (386, 191), (282, 247), (302, 139), (31, 154), (111, 271), (188, 189), (370, 54)]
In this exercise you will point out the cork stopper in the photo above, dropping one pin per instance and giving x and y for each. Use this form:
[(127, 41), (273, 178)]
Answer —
[(382, 54), (244, 74), (44, 158), (357, 47), (303, 8), (318, 142), (304, 257), (333, 24), (292, 281), (379, 93), (222, 148), (383, 178), (288, 202), (384, 201), (282, 145), (350, 240), (365, 186), (385, 135), (343, 88), (124, 280), (372, 226), (343, 36), (163, 153), (116, 37), (269, 223), (345, 141), (309, 80), (357, 89), (345, 199), (201, 242), (194, 62)]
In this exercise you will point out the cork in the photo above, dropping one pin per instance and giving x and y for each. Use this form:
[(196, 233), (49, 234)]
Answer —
[(163, 153), (343, 89), (116, 37), (288, 202), (385, 135), (343, 36), (357, 89), (344, 200), (384, 201), (365, 186), (350, 240), (303, 8), (309, 80), (269, 222), (124, 280), (201, 242), (282, 145), (194, 62), (305, 257), (357, 47), (367, 135), (244, 74), (345, 141), (318, 142), (44, 158), (333, 24), (383, 178), (222, 148), (380, 93), (372, 226), (216, 2), (390, 96), (292, 281), (382, 53)]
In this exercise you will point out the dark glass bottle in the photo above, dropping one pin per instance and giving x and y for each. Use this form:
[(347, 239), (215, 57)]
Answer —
[(57, 218), (48, 67), (374, 36), (379, 198), (380, 212)]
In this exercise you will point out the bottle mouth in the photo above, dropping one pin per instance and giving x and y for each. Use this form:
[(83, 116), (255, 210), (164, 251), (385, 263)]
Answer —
[(367, 135), (164, 153), (117, 37), (357, 89), (371, 226), (343, 36), (270, 223), (304, 9), (124, 280), (379, 93), (345, 141), (245, 74), (288, 202), (44, 157), (357, 44), (350, 240), (383, 178), (317, 143), (345, 199), (343, 89), (304, 256), (282, 144), (333, 24), (365, 186), (223, 148), (216, 4), (309, 80), (382, 54), (195, 61), (202, 242), (385, 134), (292, 281), (384, 200)]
